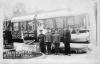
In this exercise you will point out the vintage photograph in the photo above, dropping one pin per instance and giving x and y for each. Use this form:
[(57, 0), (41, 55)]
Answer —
[(60, 30)]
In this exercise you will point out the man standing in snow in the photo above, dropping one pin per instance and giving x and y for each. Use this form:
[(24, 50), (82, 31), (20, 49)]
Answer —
[(56, 42), (41, 39), (67, 38), (48, 40)]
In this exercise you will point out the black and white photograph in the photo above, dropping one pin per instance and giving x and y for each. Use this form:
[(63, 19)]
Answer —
[(50, 31)]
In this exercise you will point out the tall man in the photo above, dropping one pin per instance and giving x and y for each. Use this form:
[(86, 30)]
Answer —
[(56, 41), (8, 38), (48, 40), (67, 38), (41, 39)]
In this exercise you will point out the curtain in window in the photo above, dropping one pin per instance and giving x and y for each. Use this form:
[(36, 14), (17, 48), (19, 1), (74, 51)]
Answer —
[(70, 20), (49, 23)]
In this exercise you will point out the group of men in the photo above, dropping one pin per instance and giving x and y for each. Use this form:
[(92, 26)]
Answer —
[(49, 40)]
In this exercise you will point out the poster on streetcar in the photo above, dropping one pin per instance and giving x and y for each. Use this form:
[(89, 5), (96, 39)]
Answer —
[(23, 26), (70, 20), (15, 25), (30, 26)]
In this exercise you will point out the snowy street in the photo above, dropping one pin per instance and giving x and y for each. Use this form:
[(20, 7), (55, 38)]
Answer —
[(88, 58)]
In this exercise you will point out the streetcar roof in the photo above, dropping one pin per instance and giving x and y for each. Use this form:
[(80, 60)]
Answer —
[(22, 18), (58, 14), (48, 15)]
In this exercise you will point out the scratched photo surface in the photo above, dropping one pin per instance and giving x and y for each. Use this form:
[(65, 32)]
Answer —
[(50, 31)]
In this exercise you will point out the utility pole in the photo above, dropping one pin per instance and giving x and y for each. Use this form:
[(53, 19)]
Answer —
[(35, 24), (95, 11)]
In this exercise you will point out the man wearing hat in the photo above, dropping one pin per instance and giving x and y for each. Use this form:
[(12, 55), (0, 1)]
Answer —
[(41, 39)]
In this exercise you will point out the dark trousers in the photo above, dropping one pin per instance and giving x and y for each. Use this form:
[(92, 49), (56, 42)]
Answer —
[(8, 42), (67, 47), (56, 48), (42, 47), (48, 47)]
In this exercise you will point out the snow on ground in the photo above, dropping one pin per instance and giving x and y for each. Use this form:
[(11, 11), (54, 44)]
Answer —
[(59, 59), (87, 58)]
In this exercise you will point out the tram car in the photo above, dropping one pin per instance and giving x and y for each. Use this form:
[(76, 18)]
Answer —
[(27, 27), (78, 25), (24, 28)]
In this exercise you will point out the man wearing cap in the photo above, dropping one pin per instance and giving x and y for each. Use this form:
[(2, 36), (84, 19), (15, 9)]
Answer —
[(56, 42), (8, 37), (41, 39), (67, 38), (48, 40)]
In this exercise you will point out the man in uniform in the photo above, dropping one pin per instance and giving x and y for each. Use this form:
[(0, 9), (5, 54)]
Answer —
[(48, 40), (56, 42), (41, 39), (67, 38)]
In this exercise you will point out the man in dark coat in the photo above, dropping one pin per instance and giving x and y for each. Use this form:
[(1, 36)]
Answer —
[(48, 40), (41, 39), (67, 38), (8, 38), (56, 42)]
